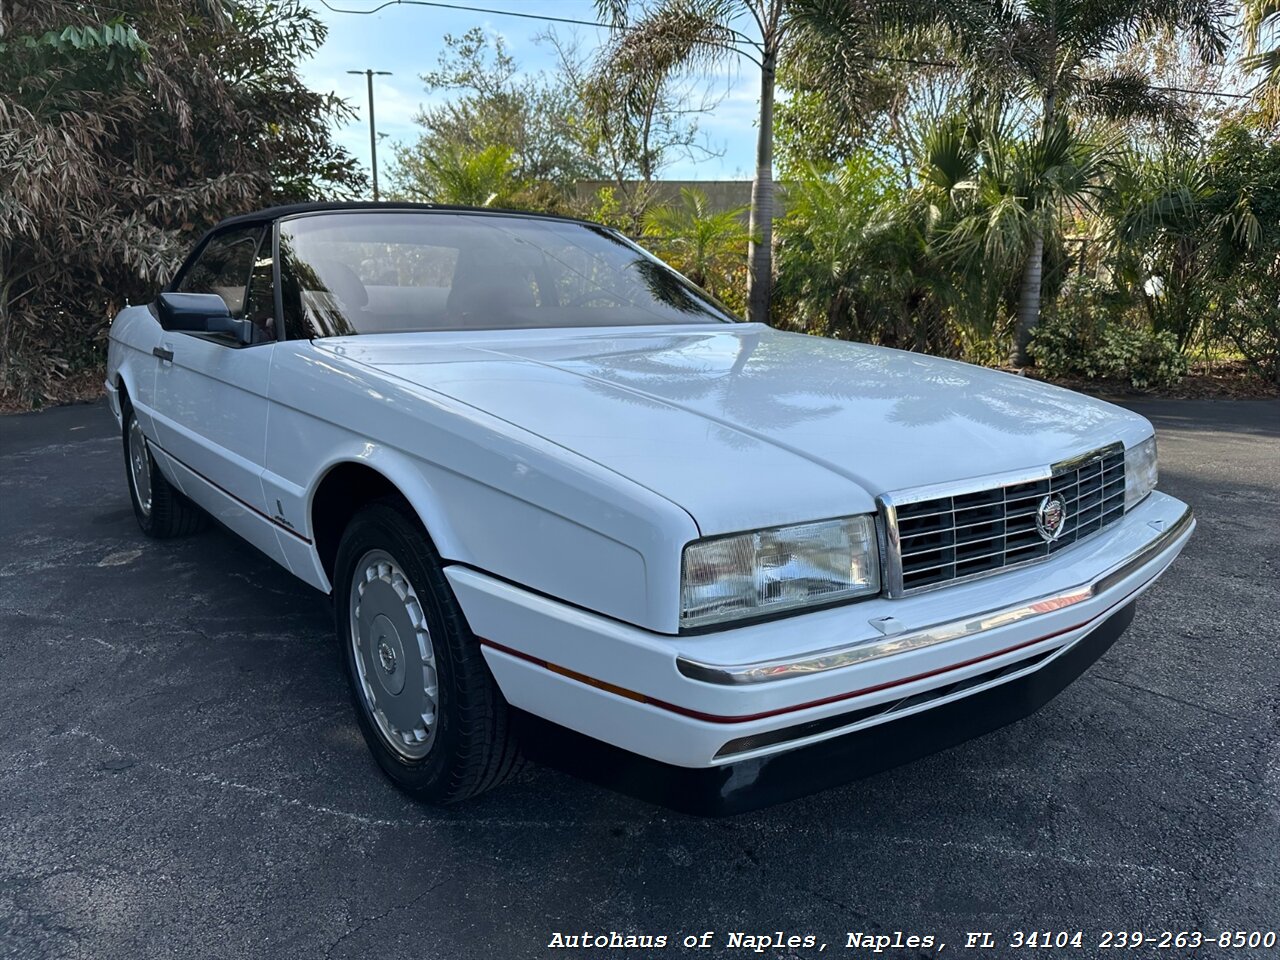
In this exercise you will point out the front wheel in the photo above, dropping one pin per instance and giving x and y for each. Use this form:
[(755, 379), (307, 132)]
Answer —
[(425, 701), (161, 510)]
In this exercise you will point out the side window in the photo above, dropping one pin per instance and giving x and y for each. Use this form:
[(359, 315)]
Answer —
[(223, 267), (260, 306), (316, 306)]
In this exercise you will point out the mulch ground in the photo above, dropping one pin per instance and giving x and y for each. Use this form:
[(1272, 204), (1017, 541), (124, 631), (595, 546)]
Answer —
[(85, 386), (1219, 380)]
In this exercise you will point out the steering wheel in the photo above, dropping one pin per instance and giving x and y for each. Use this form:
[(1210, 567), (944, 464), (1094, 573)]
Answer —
[(591, 295)]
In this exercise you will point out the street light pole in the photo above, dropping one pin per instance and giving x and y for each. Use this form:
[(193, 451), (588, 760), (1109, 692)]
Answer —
[(373, 136)]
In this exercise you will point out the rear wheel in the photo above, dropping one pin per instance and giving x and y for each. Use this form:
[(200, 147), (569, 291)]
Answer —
[(161, 510), (425, 701)]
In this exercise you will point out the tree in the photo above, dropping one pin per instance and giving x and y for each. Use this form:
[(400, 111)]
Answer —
[(634, 126), (903, 79), (706, 245), (1239, 215), (657, 39), (933, 266), (995, 188), (846, 267), (493, 105), (1157, 218), (121, 139), (1058, 55), (1262, 54), (571, 124), (484, 178), (1192, 233)]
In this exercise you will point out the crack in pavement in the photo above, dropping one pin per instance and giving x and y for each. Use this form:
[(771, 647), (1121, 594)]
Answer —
[(378, 918), (1088, 863), (321, 809), (1169, 697)]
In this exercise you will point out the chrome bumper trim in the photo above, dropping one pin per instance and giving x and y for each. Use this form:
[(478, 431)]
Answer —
[(863, 651)]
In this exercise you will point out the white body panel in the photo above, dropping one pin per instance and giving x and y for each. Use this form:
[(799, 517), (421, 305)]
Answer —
[(717, 417), (638, 660), (131, 364), (492, 495), (210, 423), (560, 473)]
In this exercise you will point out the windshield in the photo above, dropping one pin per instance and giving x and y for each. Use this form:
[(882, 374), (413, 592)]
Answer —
[(392, 272)]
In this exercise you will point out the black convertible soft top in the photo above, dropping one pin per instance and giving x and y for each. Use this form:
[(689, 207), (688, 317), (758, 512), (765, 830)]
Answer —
[(271, 214), (291, 209)]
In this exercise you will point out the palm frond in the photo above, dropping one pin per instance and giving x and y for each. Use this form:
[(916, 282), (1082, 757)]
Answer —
[(829, 41), (701, 242), (615, 12), (950, 154), (1127, 94), (1265, 62), (674, 36)]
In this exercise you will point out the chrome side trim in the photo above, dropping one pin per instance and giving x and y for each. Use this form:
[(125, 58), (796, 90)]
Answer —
[(956, 488), (864, 651), (1075, 463), (1140, 558)]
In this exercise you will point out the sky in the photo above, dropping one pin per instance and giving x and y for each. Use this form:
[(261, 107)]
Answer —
[(407, 40)]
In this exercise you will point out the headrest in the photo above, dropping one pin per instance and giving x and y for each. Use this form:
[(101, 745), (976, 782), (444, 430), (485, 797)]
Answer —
[(342, 282)]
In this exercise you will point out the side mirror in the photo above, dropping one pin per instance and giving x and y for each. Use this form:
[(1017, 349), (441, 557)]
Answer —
[(201, 313)]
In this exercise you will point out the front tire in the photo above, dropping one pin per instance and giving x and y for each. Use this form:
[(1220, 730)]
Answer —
[(161, 510), (427, 706)]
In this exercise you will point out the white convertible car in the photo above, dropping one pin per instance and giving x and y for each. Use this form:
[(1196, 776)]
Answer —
[(546, 478)]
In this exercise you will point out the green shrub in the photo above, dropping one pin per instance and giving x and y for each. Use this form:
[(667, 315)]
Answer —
[(1086, 334), (1248, 318), (1147, 358), (1069, 335)]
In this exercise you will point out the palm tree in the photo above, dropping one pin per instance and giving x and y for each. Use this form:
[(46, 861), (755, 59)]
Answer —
[(474, 178), (1157, 218), (662, 37), (1261, 17), (840, 266), (703, 244), (1178, 227), (992, 189), (1057, 52)]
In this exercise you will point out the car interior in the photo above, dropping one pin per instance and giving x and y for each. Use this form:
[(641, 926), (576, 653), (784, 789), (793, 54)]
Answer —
[(379, 277)]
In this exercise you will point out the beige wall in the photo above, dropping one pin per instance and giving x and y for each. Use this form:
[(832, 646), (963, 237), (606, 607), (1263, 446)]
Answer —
[(722, 194)]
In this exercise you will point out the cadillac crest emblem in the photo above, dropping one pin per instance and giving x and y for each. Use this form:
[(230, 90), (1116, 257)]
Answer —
[(1051, 517)]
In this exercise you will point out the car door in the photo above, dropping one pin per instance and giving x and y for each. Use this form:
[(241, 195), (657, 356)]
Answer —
[(211, 390)]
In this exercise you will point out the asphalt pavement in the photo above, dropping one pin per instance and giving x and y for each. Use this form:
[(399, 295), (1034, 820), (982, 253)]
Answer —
[(181, 774)]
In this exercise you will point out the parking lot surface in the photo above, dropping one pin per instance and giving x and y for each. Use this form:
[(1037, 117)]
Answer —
[(181, 774)]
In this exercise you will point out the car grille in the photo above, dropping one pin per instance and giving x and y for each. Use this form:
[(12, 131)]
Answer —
[(977, 533)]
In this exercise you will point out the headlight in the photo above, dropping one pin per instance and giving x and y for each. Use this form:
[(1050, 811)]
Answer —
[(769, 571), (1140, 472)]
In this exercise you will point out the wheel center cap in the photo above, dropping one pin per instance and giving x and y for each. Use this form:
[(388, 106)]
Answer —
[(388, 653)]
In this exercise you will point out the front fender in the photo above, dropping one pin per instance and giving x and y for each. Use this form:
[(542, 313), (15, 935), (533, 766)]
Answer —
[(492, 496), (131, 365)]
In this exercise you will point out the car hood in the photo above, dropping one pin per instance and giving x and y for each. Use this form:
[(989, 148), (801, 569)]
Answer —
[(746, 426)]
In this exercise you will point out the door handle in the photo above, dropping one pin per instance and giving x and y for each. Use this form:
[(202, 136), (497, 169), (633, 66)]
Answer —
[(163, 354)]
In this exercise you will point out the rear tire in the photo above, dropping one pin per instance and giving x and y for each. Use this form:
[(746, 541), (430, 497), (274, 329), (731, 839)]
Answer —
[(161, 510), (426, 703)]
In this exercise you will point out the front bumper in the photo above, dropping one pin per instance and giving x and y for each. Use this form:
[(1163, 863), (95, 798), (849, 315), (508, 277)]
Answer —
[(746, 693), (751, 784)]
